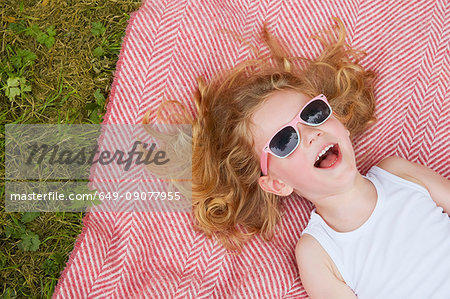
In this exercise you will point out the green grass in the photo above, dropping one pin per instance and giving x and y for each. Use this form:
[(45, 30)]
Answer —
[(57, 60)]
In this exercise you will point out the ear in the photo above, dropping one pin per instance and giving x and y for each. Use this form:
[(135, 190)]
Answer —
[(274, 186)]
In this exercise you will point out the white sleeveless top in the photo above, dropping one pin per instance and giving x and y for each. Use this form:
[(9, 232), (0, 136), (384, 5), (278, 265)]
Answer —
[(401, 251)]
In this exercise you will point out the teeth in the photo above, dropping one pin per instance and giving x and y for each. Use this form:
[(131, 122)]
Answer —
[(324, 151)]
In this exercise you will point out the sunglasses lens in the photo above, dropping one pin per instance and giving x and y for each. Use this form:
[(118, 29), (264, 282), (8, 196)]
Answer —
[(284, 142), (316, 112)]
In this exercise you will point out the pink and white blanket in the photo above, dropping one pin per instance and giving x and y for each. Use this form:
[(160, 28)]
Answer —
[(168, 44)]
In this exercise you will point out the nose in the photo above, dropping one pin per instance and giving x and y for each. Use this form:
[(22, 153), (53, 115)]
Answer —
[(308, 134)]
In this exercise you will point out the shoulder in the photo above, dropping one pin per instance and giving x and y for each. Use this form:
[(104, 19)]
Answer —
[(310, 255), (393, 164), (318, 277), (437, 185), (403, 168), (306, 245)]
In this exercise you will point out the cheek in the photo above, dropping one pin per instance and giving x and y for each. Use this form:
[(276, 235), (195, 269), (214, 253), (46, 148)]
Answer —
[(291, 169), (336, 128), (344, 138), (335, 125)]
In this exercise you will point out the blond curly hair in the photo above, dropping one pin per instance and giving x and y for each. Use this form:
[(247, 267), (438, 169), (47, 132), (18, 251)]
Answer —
[(227, 201)]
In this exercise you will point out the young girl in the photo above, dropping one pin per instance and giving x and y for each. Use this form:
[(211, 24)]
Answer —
[(265, 130)]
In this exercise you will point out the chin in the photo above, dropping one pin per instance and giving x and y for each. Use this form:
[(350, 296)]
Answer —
[(347, 170)]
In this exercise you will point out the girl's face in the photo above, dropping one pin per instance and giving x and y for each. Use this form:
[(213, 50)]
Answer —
[(297, 173)]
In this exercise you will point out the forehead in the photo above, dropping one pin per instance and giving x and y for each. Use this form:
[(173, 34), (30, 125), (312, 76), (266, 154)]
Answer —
[(278, 109), (283, 101)]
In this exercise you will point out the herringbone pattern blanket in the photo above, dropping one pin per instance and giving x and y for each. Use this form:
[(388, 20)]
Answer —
[(167, 45)]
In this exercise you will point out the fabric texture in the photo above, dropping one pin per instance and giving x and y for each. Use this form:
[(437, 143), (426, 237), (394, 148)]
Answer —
[(400, 251), (170, 43)]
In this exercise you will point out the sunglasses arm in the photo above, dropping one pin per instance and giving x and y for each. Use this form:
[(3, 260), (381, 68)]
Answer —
[(264, 157)]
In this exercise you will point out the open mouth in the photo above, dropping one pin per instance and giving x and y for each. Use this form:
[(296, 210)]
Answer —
[(329, 158)]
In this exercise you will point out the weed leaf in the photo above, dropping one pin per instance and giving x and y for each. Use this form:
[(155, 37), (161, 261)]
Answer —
[(25, 88), (91, 106), (17, 27), (99, 98), (27, 55), (29, 216), (15, 231), (12, 82), (33, 30), (98, 28), (15, 87), (94, 117), (12, 92), (51, 31), (49, 41), (50, 267), (41, 37), (30, 242), (22, 57), (98, 52)]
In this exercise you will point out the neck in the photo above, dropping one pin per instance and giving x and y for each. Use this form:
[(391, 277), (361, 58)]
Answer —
[(349, 207)]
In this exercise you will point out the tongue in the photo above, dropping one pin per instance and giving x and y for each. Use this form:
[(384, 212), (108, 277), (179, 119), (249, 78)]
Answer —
[(329, 160)]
